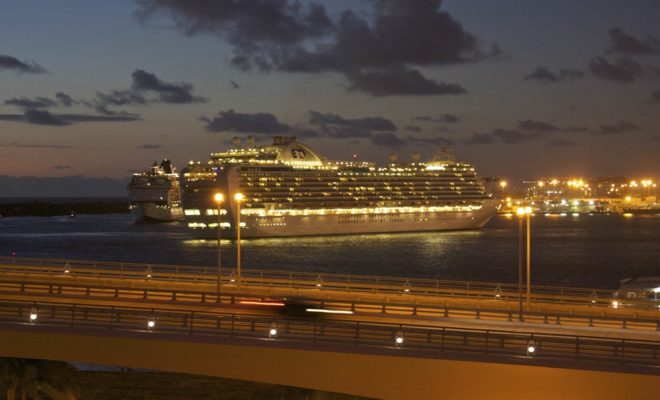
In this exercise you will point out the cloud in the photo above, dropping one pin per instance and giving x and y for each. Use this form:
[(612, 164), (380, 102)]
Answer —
[(435, 141), (146, 88), (623, 70), (366, 123), (536, 126), (234, 85), (387, 139), (376, 51), (231, 121), (12, 63), (564, 143), (480, 138), (655, 97), (412, 128), (65, 99), (575, 129), (150, 146), (399, 81), (506, 136), (35, 146), (37, 102), (172, 93), (617, 128), (544, 75), (61, 167), (623, 43), (443, 118), (42, 117)]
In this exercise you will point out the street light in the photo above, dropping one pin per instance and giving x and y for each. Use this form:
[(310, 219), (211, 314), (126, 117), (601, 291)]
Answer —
[(523, 212), (218, 198), (238, 197)]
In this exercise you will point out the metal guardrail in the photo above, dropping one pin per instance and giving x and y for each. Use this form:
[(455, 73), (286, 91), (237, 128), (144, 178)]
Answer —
[(573, 351), (387, 285), (145, 291)]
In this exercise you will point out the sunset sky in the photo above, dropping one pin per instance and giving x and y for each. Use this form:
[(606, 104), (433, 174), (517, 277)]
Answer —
[(519, 88)]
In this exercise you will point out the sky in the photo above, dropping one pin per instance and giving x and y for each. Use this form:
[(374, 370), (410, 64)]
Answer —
[(522, 89)]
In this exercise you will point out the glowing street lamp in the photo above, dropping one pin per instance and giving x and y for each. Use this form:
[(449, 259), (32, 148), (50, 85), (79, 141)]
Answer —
[(218, 198), (523, 212), (32, 318), (239, 198)]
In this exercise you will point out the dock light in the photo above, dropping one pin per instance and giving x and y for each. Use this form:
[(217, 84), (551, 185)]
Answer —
[(398, 339), (615, 304), (67, 268), (33, 315), (406, 287), (272, 332), (319, 281), (148, 272), (531, 348), (151, 322), (218, 198), (498, 292)]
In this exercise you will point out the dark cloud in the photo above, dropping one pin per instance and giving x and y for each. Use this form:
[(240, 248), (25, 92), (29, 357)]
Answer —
[(506, 136), (42, 117), (575, 129), (150, 146), (412, 128), (536, 126), (65, 99), (563, 143), (399, 81), (173, 93), (146, 88), (387, 139), (435, 141), (655, 97), (35, 146), (231, 121), (24, 102), (443, 118), (234, 85), (618, 128), (12, 63), (623, 43), (376, 50), (622, 70), (544, 75), (480, 138), (61, 167), (366, 123)]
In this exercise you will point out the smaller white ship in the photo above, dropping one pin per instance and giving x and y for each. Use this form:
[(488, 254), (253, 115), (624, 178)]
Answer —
[(154, 195)]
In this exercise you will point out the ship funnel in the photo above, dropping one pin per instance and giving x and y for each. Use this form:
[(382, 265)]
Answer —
[(236, 141), (250, 141), (416, 157), (393, 158)]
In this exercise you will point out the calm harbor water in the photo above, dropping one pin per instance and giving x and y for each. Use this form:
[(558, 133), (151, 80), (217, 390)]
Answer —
[(588, 251)]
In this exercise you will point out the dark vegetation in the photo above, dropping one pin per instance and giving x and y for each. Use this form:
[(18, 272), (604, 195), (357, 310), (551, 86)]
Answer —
[(53, 380)]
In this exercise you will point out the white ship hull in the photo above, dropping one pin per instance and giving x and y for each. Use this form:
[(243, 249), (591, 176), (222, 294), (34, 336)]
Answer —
[(342, 224), (152, 212)]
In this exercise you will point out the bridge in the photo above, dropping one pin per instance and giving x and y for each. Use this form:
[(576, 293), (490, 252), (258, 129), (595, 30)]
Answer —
[(382, 337)]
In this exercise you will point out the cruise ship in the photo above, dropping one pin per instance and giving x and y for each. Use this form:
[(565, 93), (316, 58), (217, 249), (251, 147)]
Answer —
[(290, 190), (154, 195)]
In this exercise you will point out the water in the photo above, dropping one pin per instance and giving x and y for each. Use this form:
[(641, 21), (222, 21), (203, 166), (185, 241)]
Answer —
[(587, 251)]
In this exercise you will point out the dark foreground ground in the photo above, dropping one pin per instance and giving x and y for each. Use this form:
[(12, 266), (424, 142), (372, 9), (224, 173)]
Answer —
[(145, 385)]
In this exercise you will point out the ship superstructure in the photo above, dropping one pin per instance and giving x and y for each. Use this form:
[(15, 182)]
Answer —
[(154, 195), (290, 190)]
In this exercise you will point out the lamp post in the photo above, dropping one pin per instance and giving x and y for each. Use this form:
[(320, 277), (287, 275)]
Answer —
[(528, 214), (219, 198), (238, 197), (523, 212)]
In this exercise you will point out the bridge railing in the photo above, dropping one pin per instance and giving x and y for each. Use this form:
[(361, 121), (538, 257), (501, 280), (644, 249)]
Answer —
[(297, 280), (394, 339), (400, 306)]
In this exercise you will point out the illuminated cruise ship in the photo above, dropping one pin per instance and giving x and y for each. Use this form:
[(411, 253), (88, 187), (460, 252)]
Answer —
[(154, 195), (290, 190)]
